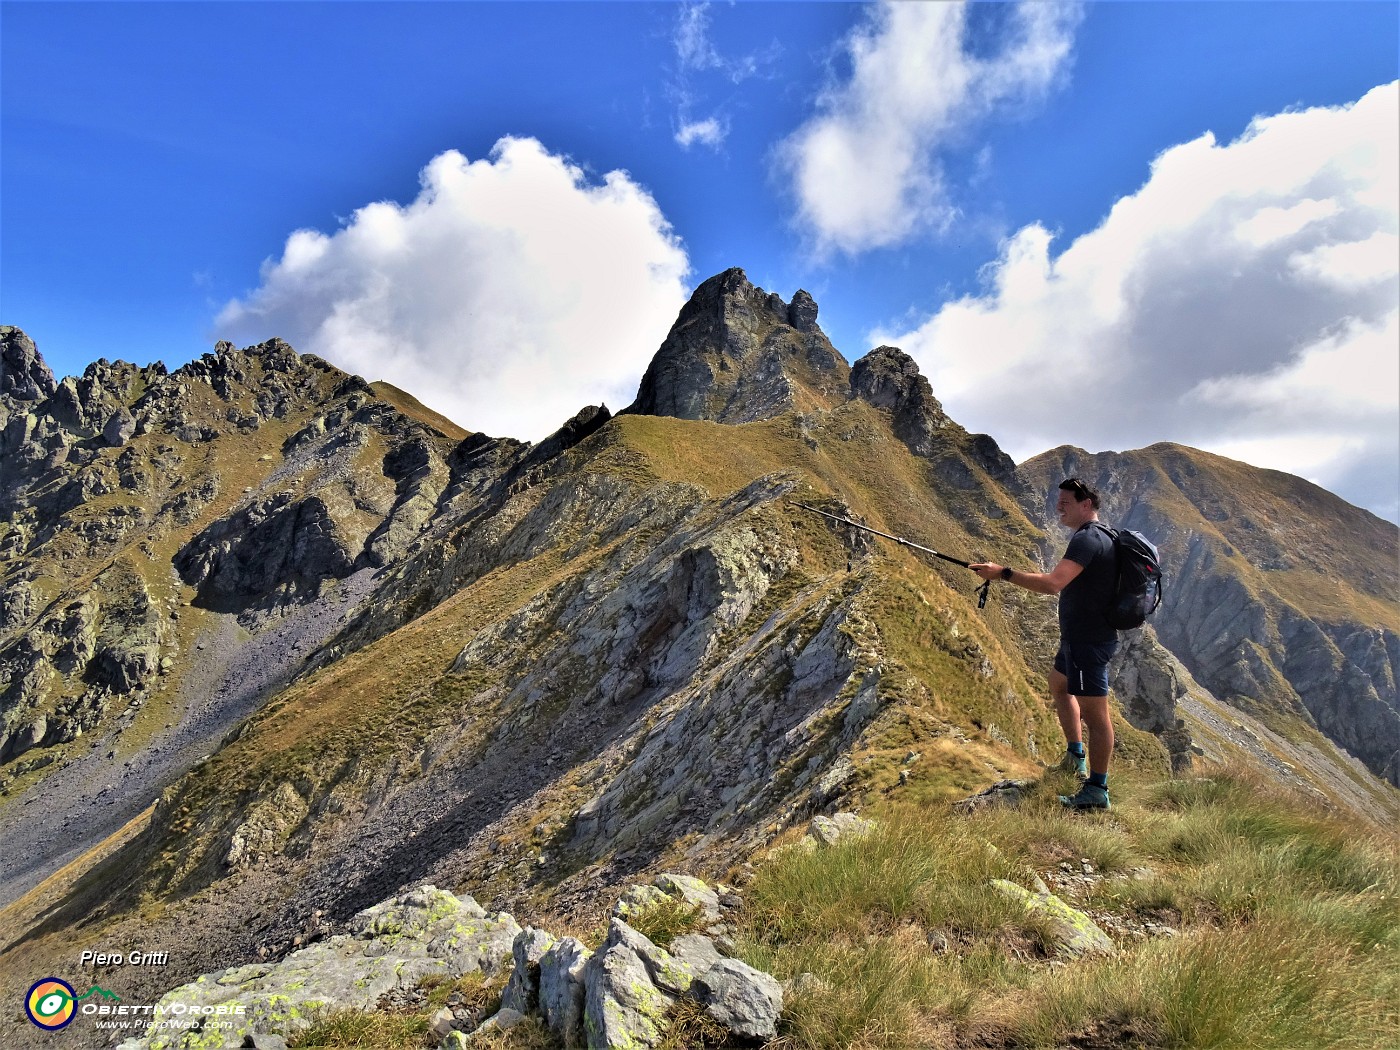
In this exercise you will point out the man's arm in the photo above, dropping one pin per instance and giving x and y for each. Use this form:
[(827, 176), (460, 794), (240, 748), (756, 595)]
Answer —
[(1052, 582)]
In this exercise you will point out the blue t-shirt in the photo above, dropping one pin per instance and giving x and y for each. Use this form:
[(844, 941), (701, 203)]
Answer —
[(1088, 596)]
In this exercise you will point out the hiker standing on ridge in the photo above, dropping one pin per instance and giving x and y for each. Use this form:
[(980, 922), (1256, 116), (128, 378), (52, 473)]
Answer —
[(1085, 580)]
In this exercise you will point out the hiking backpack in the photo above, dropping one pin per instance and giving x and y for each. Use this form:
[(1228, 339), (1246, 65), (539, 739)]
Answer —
[(1138, 590)]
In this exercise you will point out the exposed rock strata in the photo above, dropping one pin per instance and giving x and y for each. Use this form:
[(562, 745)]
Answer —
[(617, 997)]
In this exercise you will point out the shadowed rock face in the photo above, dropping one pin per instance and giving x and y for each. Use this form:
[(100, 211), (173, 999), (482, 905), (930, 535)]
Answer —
[(23, 374), (737, 354), (889, 379), (1149, 683)]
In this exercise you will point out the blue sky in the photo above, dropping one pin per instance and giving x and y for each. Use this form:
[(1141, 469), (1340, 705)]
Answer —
[(1103, 225)]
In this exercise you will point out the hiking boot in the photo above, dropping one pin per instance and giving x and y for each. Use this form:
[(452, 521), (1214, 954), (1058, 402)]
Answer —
[(1076, 764), (1090, 796)]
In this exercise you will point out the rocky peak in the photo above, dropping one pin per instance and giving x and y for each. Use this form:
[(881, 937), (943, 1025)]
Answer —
[(585, 422), (738, 353), (23, 374), (890, 379), (802, 312)]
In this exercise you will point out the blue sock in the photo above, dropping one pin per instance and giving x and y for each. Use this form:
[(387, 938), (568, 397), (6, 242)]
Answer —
[(1077, 749), (1099, 780)]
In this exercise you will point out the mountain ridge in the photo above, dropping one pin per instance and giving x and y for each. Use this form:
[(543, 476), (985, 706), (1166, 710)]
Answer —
[(617, 648)]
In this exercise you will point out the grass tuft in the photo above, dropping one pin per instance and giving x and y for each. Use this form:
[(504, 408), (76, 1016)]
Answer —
[(664, 921), (377, 1029), (1287, 926)]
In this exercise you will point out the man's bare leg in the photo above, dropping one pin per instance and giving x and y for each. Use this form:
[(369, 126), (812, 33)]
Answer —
[(1095, 712), (1066, 708)]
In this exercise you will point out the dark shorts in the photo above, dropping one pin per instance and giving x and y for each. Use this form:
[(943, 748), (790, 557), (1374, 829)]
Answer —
[(1085, 666)]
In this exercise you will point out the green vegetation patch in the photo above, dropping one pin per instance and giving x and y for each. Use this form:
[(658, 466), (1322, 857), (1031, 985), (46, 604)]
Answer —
[(380, 1029), (1284, 923), (664, 920)]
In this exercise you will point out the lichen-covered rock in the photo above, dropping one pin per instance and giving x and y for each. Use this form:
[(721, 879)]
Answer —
[(1074, 933), (693, 891), (638, 899), (831, 830), (623, 1009), (746, 1001), (523, 991), (695, 952), (425, 932), (562, 989), (440, 1025), (665, 970)]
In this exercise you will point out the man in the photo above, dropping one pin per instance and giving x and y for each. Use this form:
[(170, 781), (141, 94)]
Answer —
[(1084, 579)]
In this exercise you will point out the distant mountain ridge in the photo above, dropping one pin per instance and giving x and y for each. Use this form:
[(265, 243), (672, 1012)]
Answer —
[(342, 646)]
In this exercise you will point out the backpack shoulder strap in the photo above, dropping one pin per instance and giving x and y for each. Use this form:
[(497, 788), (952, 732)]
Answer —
[(1110, 533)]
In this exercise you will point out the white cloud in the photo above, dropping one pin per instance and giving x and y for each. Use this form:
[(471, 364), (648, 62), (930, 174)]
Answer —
[(692, 38), (1354, 372), (698, 60), (1244, 299), (706, 132), (866, 170), (510, 293)]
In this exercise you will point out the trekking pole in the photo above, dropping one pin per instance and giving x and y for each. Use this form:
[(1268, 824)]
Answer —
[(981, 591)]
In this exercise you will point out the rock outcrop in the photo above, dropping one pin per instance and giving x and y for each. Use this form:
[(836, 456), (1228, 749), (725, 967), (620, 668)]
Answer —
[(1070, 931), (889, 379), (737, 354), (963, 464), (616, 998), (1149, 682), (23, 374), (420, 934)]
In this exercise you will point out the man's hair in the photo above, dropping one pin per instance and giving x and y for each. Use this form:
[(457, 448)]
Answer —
[(1080, 491)]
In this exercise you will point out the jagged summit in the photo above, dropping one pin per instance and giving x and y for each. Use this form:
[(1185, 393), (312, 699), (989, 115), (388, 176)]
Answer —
[(737, 354), (23, 374), (890, 379)]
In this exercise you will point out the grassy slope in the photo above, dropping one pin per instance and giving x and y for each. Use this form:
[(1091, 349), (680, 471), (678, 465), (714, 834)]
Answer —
[(415, 409), (1285, 919)]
